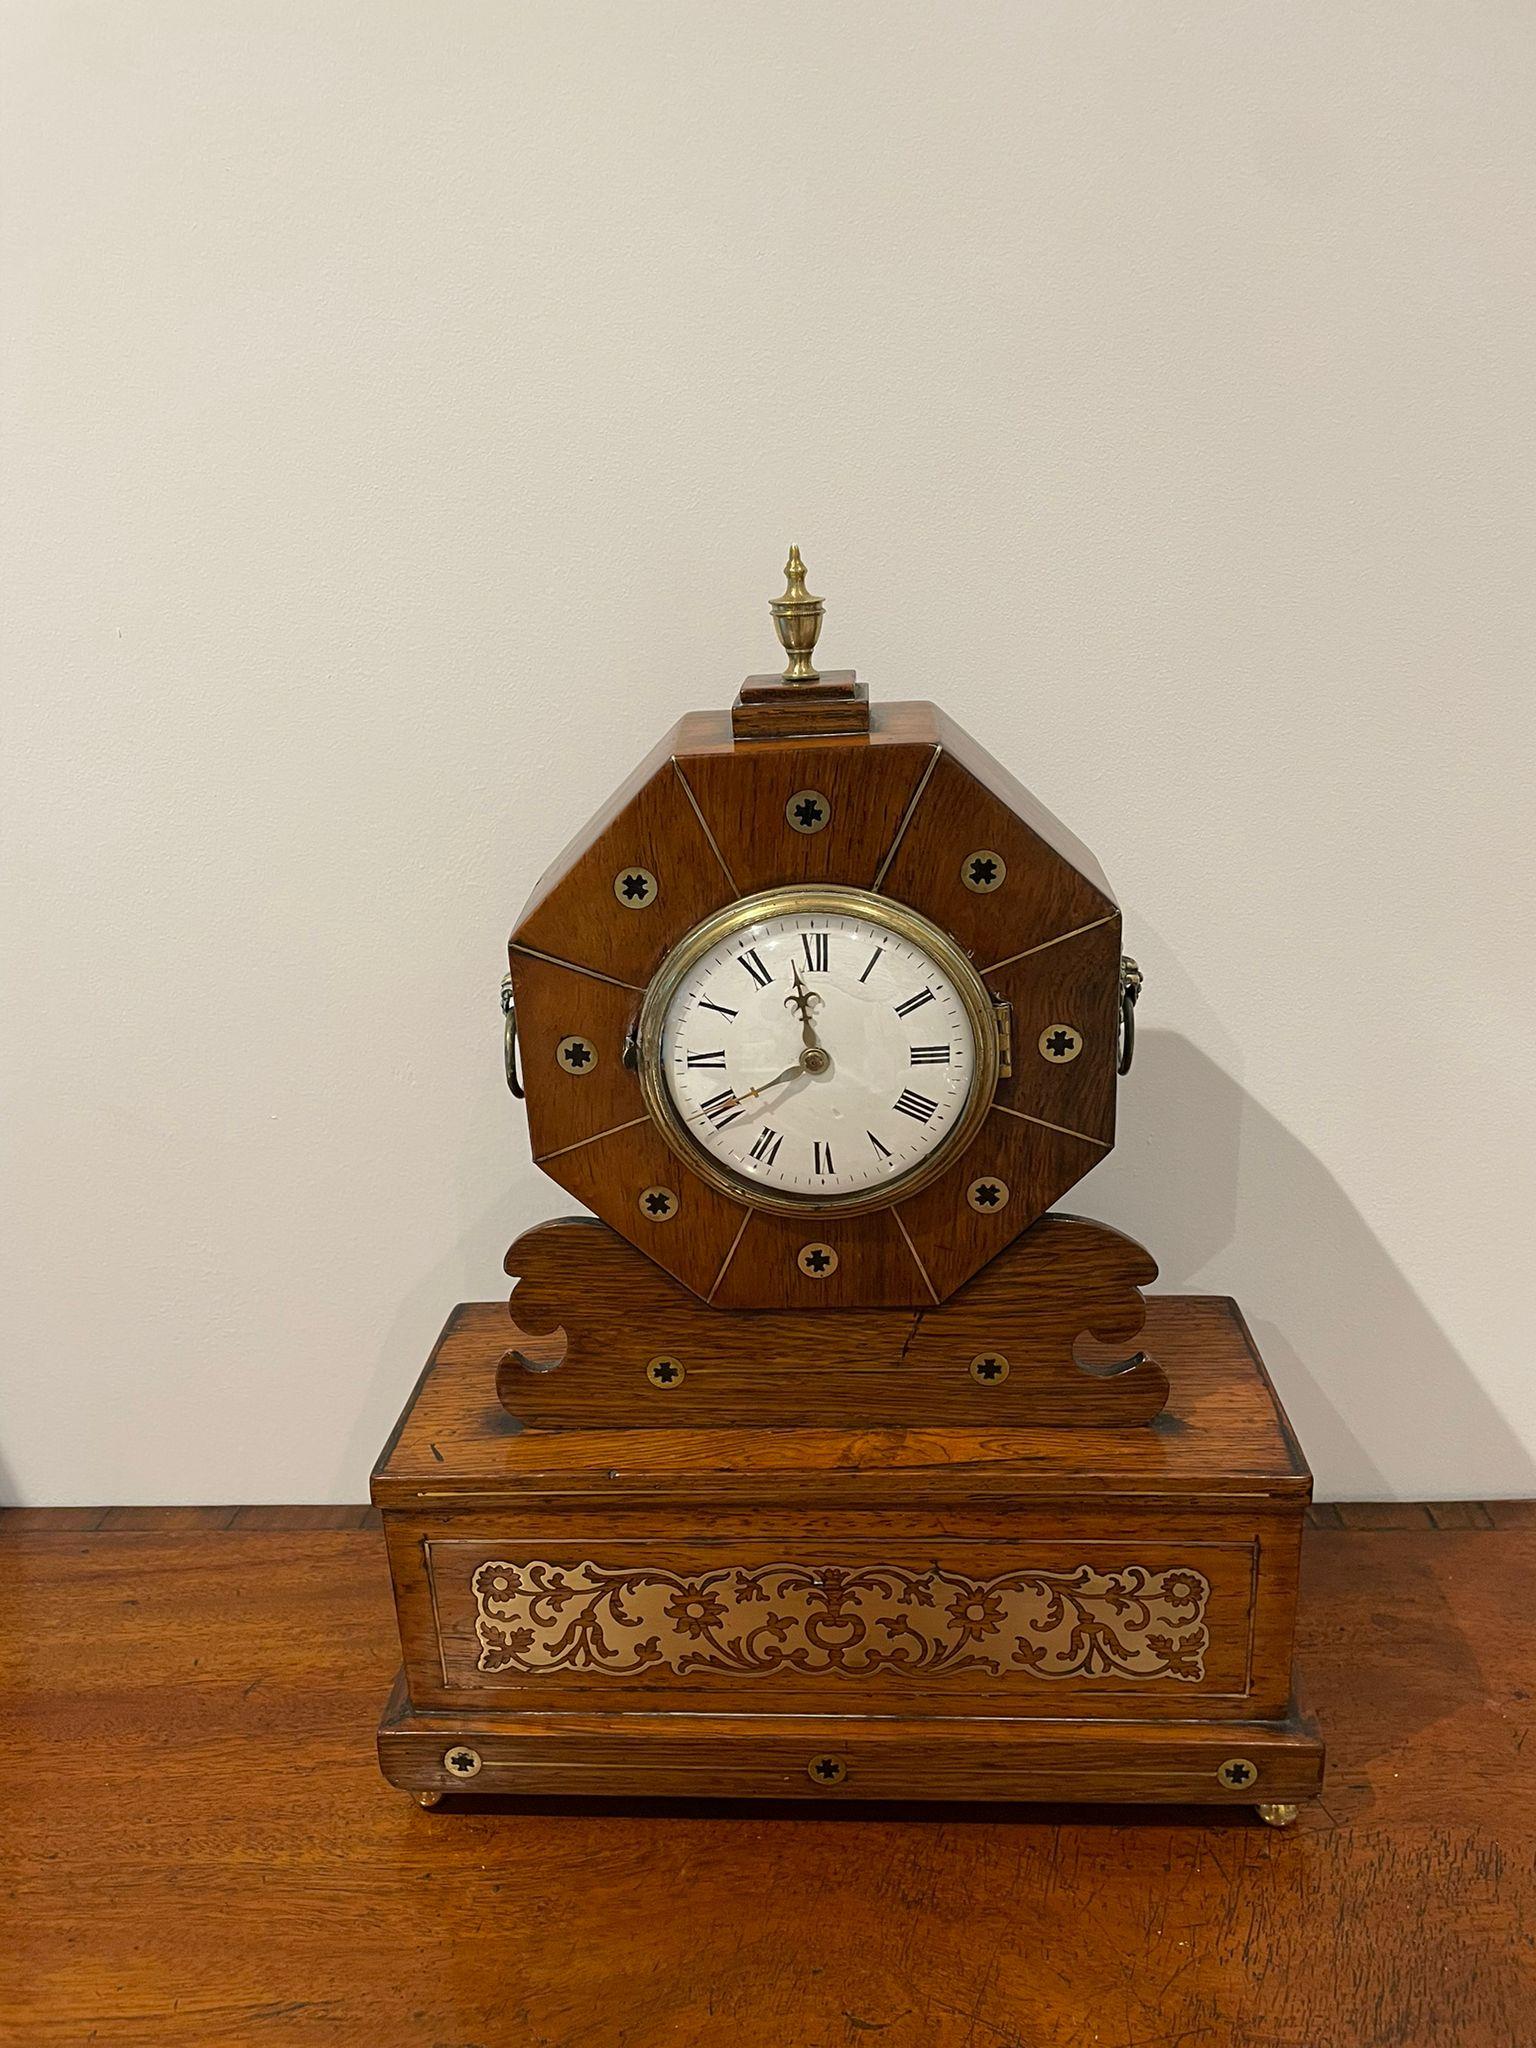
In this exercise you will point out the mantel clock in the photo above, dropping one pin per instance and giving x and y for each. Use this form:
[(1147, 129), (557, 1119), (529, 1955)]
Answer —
[(824, 1412)]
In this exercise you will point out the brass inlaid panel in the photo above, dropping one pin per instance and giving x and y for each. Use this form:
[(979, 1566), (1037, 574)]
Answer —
[(541, 1617)]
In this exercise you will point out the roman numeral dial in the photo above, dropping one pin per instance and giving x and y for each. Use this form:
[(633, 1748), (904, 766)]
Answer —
[(780, 1042), (920, 1108)]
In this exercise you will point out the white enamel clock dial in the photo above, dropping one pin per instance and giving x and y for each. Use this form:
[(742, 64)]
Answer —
[(818, 1048)]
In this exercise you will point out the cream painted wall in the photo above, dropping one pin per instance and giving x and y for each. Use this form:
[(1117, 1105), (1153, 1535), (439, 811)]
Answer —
[(407, 408)]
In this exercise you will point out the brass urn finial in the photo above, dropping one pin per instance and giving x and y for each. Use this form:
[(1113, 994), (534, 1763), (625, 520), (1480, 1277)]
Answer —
[(797, 621)]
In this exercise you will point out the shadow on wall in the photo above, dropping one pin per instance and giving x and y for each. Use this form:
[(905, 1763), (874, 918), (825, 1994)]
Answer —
[(493, 1153), (1229, 1202)]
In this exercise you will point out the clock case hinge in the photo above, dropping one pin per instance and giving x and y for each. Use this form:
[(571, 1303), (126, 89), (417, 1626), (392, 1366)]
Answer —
[(1002, 1017), (1130, 993)]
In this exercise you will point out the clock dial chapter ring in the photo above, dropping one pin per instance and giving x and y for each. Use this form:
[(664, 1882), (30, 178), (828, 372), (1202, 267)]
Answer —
[(806, 1017)]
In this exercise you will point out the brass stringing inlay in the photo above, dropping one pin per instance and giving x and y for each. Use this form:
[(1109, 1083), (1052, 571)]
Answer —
[(540, 1617)]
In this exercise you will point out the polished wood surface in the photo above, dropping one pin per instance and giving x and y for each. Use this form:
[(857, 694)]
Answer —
[(769, 708), (457, 1442), (742, 793), (589, 1315), (884, 1757), (702, 822), (610, 1577), (200, 1852)]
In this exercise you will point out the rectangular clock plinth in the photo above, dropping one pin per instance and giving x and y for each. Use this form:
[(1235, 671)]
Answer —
[(956, 1612)]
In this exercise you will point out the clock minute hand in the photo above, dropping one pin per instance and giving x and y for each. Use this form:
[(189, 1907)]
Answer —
[(789, 1073)]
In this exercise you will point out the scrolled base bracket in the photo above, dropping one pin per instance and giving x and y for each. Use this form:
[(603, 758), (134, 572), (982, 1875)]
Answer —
[(1044, 1336)]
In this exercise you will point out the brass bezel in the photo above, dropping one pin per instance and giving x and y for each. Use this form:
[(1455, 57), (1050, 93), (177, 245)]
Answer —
[(833, 899)]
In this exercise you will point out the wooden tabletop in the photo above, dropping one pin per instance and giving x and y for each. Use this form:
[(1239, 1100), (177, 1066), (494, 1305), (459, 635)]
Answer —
[(1222, 1432), (198, 1848)]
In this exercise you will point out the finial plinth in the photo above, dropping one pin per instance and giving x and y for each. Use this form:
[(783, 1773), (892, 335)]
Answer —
[(797, 620)]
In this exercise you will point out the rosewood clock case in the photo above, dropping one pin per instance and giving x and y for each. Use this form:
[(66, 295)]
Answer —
[(935, 1506), (914, 811)]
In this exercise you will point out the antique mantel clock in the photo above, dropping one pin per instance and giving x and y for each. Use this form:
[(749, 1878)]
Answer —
[(824, 1458)]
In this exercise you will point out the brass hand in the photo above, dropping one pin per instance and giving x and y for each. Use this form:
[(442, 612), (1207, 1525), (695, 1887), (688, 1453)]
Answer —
[(802, 1000), (789, 1073), (814, 1059)]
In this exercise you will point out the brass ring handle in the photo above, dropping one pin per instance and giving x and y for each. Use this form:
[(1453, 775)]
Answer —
[(509, 1036), (1130, 991)]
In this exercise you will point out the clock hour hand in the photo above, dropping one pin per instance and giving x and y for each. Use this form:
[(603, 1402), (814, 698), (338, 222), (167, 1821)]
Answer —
[(802, 1000)]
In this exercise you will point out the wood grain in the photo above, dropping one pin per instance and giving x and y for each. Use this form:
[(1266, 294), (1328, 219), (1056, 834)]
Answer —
[(886, 1757), (768, 708), (457, 1442), (1081, 989), (877, 1265), (611, 1174), (951, 1238), (868, 786), (200, 1852), (585, 1297), (727, 1254), (1415, 1517), (564, 1107)]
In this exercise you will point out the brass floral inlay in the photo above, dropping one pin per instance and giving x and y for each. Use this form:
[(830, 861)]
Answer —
[(1134, 1622)]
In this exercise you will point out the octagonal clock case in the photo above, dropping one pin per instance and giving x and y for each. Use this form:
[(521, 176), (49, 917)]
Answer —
[(820, 1020), (826, 1458)]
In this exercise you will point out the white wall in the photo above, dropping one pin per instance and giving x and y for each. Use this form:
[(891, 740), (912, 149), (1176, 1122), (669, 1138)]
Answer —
[(408, 407)]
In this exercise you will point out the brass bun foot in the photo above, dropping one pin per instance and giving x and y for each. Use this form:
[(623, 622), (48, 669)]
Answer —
[(1277, 1813), (435, 1799)]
